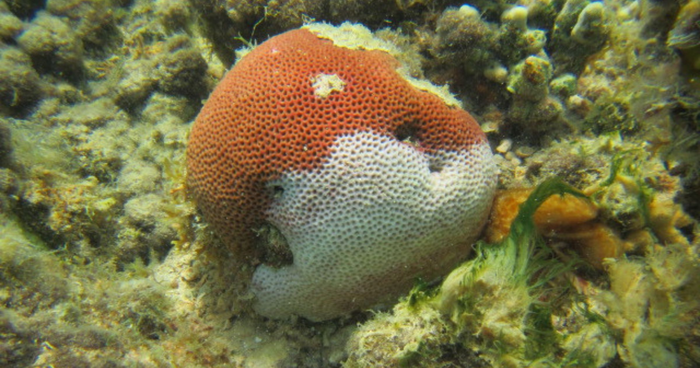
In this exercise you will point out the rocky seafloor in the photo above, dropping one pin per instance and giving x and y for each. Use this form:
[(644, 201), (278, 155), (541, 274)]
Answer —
[(104, 261)]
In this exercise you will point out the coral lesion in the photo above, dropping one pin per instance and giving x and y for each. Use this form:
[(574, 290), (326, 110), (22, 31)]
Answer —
[(326, 84), (272, 246)]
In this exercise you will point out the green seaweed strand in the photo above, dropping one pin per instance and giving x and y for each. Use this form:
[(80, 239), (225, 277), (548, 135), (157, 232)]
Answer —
[(523, 237)]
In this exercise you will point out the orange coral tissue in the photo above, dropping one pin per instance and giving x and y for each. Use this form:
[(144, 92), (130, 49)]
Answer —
[(369, 177)]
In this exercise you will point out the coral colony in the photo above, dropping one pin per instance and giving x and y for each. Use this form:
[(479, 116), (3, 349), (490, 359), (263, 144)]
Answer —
[(370, 180)]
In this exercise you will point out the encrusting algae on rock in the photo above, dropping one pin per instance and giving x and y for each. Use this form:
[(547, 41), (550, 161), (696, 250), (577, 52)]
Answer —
[(105, 261), (484, 307), (514, 305)]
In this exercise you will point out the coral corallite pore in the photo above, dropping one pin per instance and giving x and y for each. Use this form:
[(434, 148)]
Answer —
[(371, 179)]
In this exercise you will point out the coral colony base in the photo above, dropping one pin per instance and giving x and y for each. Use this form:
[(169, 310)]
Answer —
[(117, 250)]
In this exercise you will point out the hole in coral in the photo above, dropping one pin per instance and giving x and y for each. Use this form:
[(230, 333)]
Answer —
[(274, 190), (277, 191), (407, 133), (688, 232), (274, 246), (436, 165)]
